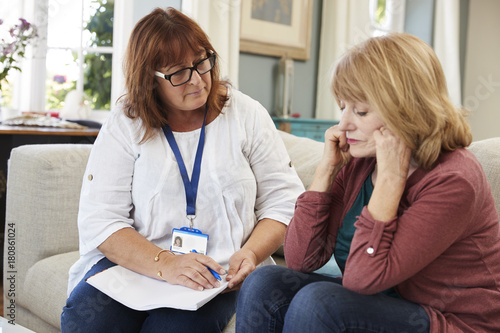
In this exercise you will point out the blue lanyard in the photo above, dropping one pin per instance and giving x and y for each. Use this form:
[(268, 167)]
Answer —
[(190, 187)]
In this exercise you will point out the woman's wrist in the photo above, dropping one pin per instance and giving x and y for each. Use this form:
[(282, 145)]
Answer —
[(324, 177), (384, 202), (156, 259)]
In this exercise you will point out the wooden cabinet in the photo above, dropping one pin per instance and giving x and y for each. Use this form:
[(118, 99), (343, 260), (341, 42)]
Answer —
[(309, 128)]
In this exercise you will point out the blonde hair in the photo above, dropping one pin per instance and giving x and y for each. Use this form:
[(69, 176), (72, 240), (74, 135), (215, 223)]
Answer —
[(401, 77)]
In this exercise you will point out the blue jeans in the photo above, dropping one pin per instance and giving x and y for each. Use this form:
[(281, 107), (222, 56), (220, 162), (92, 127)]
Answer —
[(89, 310), (276, 299)]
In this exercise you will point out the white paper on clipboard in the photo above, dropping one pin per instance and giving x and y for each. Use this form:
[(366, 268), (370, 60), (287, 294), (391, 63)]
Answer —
[(141, 292)]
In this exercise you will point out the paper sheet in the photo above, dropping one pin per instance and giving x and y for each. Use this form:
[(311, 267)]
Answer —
[(142, 293)]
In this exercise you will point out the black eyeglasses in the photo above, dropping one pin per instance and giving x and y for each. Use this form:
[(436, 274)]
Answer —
[(184, 75)]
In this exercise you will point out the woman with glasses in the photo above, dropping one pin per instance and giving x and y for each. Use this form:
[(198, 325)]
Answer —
[(182, 155)]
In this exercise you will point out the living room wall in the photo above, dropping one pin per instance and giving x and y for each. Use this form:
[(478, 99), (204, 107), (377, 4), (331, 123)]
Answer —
[(258, 73), (482, 73), (144, 7)]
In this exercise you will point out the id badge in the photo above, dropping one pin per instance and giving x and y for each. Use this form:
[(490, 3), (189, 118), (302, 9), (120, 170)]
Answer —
[(185, 240)]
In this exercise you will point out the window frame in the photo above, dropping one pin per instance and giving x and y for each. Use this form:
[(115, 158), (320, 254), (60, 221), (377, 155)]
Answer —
[(29, 87)]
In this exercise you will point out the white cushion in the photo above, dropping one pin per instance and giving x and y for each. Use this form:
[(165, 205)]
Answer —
[(44, 290), (305, 154), (488, 154)]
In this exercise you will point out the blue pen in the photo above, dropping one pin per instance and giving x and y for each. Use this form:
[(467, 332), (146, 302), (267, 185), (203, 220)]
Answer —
[(214, 273)]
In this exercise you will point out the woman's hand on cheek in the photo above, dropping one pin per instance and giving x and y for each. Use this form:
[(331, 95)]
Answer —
[(336, 151), (393, 155), (335, 156)]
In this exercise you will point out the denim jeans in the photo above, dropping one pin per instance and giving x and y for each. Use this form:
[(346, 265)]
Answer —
[(278, 299), (89, 310)]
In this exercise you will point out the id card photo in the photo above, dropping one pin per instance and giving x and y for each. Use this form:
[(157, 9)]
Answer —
[(185, 241)]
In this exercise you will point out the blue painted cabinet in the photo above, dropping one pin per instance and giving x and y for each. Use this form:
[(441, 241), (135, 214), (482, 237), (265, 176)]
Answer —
[(309, 128)]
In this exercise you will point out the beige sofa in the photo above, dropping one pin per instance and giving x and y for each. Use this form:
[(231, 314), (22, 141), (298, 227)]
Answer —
[(42, 202)]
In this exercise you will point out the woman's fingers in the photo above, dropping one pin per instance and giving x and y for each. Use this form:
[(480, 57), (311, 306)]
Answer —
[(191, 270), (393, 156), (201, 278)]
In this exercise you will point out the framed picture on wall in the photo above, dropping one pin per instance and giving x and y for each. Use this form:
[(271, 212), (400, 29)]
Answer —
[(276, 27)]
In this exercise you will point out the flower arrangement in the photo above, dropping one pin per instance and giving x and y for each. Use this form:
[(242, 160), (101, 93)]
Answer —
[(13, 49)]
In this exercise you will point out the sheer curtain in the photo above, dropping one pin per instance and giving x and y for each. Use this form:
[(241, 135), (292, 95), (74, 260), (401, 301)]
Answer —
[(447, 44), (344, 24), (27, 94), (220, 19)]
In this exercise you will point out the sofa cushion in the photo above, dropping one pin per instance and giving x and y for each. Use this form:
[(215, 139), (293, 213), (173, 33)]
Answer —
[(305, 154), (487, 153), (44, 290)]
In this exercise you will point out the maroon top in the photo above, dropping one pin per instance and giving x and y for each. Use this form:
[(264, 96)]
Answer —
[(441, 251)]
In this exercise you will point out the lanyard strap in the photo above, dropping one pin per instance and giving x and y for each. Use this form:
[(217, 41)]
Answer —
[(190, 187)]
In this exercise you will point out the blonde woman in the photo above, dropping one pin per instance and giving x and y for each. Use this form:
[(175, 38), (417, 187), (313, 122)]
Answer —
[(399, 202)]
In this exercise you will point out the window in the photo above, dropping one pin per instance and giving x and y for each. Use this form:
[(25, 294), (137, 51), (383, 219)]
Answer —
[(79, 52), (80, 48), (387, 16)]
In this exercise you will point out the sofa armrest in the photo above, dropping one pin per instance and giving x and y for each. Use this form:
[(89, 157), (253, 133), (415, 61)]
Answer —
[(43, 191)]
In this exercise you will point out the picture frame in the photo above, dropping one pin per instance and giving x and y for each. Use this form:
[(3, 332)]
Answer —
[(277, 28)]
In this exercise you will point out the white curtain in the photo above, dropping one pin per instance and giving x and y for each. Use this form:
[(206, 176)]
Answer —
[(344, 24), (220, 19), (447, 44), (123, 24), (27, 92)]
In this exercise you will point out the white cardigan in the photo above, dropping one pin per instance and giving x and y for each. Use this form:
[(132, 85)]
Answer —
[(246, 176)]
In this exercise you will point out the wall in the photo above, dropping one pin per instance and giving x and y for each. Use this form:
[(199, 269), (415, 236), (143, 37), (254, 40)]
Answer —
[(258, 73), (142, 7), (257, 77), (482, 69), (419, 19)]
